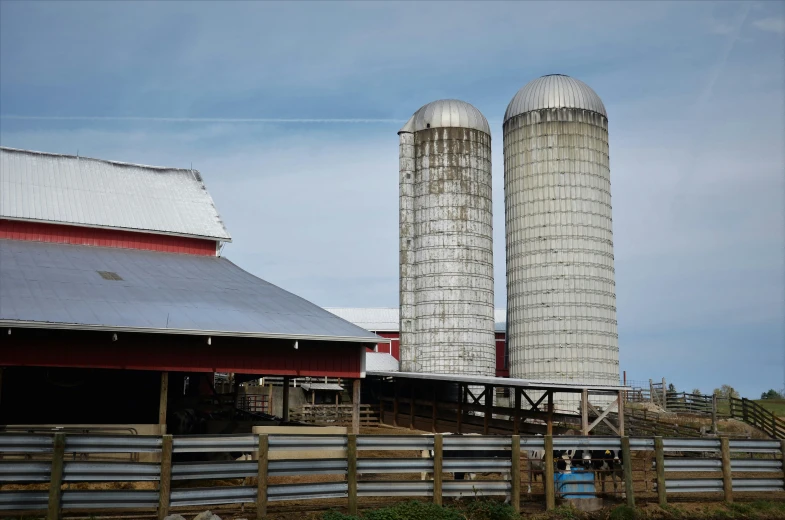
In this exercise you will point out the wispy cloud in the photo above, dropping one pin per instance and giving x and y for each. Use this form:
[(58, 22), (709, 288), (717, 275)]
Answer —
[(771, 24)]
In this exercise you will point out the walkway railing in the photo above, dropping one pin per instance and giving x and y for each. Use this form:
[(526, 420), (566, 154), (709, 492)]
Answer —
[(651, 469)]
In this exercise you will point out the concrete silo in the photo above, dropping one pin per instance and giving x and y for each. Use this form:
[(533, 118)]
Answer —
[(561, 299), (446, 244)]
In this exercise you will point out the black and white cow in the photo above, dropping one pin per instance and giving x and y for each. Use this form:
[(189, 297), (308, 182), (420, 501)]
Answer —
[(605, 463)]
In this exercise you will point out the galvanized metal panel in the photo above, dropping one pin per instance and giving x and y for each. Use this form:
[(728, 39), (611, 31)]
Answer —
[(411, 488), (394, 465), (306, 442), (554, 91), (758, 484), (215, 470), (25, 443), (23, 500), (477, 465), (281, 468), (754, 445), (503, 381), (476, 442), (112, 444), (737, 465), (79, 471), (214, 443), (67, 189), (157, 292), (447, 113), (394, 442), (595, 443), (641, 444), (108, 499), (373, 319), (454, 488), (691, 444), (213, 495), (280, 492), (24, 471)]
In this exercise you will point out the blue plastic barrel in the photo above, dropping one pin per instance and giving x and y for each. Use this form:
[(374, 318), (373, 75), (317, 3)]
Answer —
[(578, 483)]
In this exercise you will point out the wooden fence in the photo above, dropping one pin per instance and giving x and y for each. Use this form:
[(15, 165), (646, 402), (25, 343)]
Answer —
[(335, 415), (724, 467)]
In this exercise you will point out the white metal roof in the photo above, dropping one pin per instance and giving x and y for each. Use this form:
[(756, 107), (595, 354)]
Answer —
[(497, 381), (81, 191), (554, 91), (385, 319), (447, 113), (380, 362)]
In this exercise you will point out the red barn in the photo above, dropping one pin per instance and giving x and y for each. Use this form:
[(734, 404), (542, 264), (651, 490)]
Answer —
[(111, 281), (384, 322)]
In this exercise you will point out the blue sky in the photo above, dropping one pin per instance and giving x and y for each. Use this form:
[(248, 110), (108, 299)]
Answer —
[(694, 93)]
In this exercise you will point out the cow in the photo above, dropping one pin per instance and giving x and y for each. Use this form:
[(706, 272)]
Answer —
[(608, 462)]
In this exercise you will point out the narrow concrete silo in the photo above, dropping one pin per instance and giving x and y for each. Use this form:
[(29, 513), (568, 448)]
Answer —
[(446, 244), (561, 299)]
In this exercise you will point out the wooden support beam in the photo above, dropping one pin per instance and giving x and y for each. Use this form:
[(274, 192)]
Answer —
[(488, 408), (438, 453), (165, 482), (285, 400), (56, 477), (584, 412), (727, 475), (550, 492), (535, 406), (261, 481), (163, 398), (602, 417), (516, 424), (620, 410), (626, 460), (550, 417), (659, 455), (356, 406), (515, 472), (352, 473)]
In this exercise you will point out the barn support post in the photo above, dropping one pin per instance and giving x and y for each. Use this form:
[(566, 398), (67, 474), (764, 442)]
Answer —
[(285, 400), (396, 394), (651, 391), (261, 481), (516, 425), (165, 482), (620, 410), (56, 477), (626, 460), (550, 412), (550, 493), (356, 406), (352, 473), (461, 398), (488, 407), (584, 412), (664, 395), (727, 476), (659, 455), (438, 457), (163, 399), (515, 472)]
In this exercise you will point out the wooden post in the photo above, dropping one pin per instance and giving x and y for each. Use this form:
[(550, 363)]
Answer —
[(356, 406), (411, 409), (659, 453), (285, 400), (584, 412), (621, 413), (714, 414), (433, 411), (352, 473), (744, 409), (461, 398), (488, 407), (396, 392), (626, 460), (515, 472), (163, 398), (261, 481), (165, 482), (56, 478), (550, 495), (664, 395), (516, 425), (550, 412), (438, 450), (381, 410), (727, 475)]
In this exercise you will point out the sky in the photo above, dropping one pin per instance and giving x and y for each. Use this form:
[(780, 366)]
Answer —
[(290, 111)]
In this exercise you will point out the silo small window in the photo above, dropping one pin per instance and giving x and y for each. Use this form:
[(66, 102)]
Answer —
[(428, 125)]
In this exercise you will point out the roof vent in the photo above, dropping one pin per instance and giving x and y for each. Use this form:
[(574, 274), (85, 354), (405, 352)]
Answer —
[(109, 275)]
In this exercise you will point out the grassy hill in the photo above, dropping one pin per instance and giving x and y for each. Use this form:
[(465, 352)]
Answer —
[(775, 406)]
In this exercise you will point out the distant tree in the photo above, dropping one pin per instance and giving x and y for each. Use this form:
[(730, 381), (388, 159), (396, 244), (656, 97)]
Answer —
[(771, 394), (696, 391), (726, 391), (672, 388)]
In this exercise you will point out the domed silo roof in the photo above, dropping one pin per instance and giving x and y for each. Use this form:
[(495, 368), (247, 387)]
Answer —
[(554, 91), (447, 113)]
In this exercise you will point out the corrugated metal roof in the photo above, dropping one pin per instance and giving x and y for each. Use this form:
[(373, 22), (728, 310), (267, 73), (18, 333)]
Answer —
[(60, 286), (386, 319), (96, 193), (497, 381), (447, 113), (380, 362), (554, 91), (322, 386)]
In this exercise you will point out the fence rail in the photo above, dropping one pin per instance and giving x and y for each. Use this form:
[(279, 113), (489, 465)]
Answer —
[(723, 465), (335, 414)]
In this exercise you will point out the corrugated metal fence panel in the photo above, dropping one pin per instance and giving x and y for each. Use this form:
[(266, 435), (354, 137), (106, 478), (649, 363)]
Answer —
[(641, 444), (394, 442), (281, 468), (693, 485), (25, 443), (216, 469), (307, 442), (477, 465), (479, 442), (754, 445), (24, 471), (112, 444), (394, 465), (691, 444), (215, 443), (595, 443), (737, 465), (282, 492), (23, 500), (212, 496), (411, 488), (758, 484), (454, 488), (109, 499)]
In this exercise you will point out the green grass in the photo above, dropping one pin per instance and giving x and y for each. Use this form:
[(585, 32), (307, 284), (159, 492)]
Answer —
[(775, 406)]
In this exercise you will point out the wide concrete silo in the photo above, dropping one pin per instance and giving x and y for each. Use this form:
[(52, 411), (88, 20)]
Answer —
[(561, 299), (446, 243)]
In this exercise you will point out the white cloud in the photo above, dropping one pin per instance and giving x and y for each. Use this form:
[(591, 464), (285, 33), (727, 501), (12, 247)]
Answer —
[(771, 24)]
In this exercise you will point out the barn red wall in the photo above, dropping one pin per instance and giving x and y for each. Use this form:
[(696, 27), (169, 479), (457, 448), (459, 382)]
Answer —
[(84, 236), (501, 371), (148, 352)]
